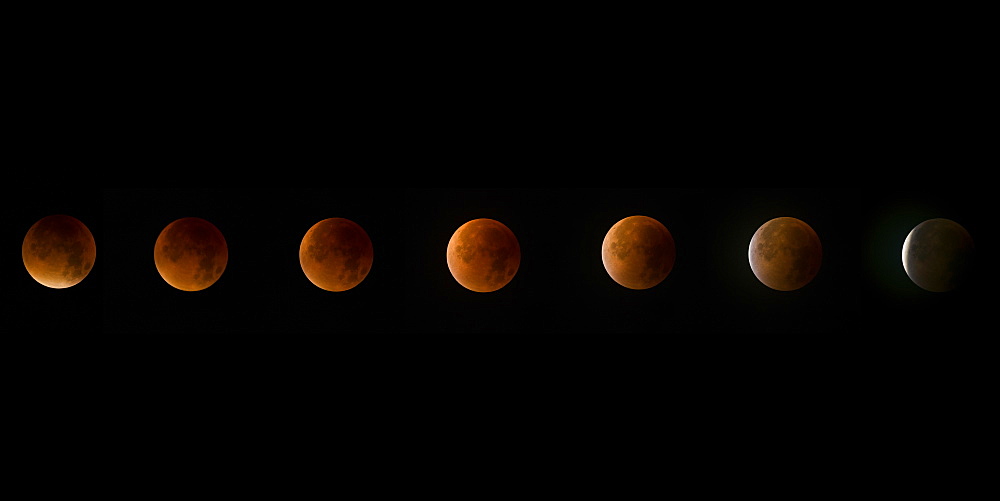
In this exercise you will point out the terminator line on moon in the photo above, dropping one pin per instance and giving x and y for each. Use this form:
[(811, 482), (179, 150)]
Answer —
[(937, 254), (59, 251), (785, 253), (483, 255), (638, 252), (190, 254)]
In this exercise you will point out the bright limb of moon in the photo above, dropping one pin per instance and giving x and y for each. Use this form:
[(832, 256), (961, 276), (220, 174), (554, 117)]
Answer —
[(785, 253), (937, 254), (190, 254), (58, 251)]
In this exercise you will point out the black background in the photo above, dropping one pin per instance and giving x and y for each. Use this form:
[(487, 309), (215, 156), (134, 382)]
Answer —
[(859, 340), (711, 125), (715, 135), (560, 288)]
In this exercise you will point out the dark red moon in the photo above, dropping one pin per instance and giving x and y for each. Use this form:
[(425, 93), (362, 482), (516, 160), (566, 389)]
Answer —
[(336, 254), (59, 251), (190, 254), (483, 255), (785, 253), (638, 252)]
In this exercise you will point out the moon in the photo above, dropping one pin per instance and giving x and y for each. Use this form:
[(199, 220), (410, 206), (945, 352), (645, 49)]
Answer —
[(638, 252), (336, 254), (59, 251), (483, 255), (937, 254), (190, 254), (785, 253)]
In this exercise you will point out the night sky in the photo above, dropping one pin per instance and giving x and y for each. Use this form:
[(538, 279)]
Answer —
[(715, 147), (561, 286), (710, 335), (711, 131)]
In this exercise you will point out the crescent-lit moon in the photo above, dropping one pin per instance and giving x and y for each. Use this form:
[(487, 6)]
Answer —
[(937, 254), (785, 253), (59, 251), (190, 254), (483, 255), (638, 252)]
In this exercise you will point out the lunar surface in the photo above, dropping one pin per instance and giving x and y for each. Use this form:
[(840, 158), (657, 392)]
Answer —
[(638, 252), (59, 251), (190, 254), (336, 254), (483, 255), (785, 254), (937, 254)]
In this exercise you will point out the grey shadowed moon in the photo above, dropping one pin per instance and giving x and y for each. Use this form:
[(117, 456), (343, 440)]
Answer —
[(58, 251), (190, 254), (937, 254), (785, 253), (336, 254), (483, 255), (638, 252)]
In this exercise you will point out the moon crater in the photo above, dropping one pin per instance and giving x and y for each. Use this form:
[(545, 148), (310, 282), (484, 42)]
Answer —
[(483, 255), (638, 252), (190, 254), (58, 251), (785, 253), (336, 254)]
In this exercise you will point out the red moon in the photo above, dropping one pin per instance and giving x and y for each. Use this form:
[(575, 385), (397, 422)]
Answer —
[(336, 254), (58, 251), (483, 255), (785, 253), (190, 254), (638, 252)]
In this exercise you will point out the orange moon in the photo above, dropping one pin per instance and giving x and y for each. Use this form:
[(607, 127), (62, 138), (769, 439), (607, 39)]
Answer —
[(59, 251), (190, 254), (483, 255), (785, 253), (336, 254), (638, 252)]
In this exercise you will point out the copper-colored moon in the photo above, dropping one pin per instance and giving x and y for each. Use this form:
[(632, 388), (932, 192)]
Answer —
[(190, 254), (938, 254), (638, 252), (483, 255), (336, 254), (59, 251), (785, 253)]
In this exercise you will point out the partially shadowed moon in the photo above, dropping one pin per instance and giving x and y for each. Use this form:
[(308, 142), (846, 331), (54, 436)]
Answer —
[(190, 254), (937, 254), (336, 254), (785, 253), (638, 252), (58, 251), (483, 255)]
